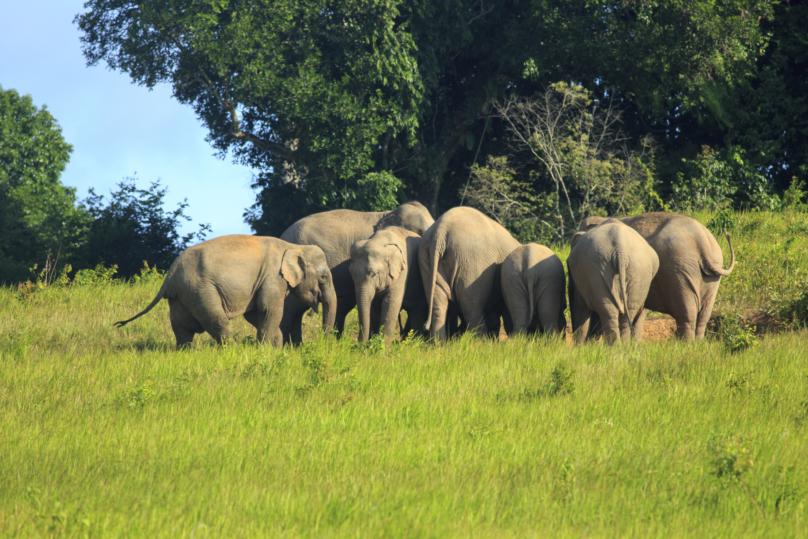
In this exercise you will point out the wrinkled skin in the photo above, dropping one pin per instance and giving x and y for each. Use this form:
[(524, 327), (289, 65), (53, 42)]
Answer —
[(610, 272), (211, 283), (690, 268), (335, 232), (534, 288), (387, 278), (460, 257)]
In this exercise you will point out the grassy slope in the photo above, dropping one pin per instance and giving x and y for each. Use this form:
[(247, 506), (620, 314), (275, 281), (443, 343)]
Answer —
[(108, 432)]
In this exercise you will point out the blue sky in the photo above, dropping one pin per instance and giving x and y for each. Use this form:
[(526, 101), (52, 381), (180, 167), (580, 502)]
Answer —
[(116, 128)]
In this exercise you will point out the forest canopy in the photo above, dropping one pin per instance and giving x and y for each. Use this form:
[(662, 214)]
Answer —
[(316, 95)]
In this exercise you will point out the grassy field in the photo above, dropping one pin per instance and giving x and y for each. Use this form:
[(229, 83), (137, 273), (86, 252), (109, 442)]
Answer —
[(107, 433)]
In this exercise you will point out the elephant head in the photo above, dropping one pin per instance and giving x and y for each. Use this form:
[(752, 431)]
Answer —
[(376, 267), (412, 216), (306, 271), (591, 222)]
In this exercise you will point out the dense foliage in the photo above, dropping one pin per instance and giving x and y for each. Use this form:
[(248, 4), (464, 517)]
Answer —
[(317, 94), (133, 229), (45, 229), (37, 213)]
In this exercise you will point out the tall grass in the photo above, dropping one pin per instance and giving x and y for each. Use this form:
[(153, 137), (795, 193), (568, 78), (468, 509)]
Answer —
[(107, 432)]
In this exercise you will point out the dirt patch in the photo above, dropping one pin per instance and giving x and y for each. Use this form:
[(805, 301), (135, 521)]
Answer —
[(659, 329)]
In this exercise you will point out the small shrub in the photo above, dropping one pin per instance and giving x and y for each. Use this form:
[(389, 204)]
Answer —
[(561, 382), (794, 195), (148, 275), (730, 459), (93, 277), (139, 395), (737, 335)]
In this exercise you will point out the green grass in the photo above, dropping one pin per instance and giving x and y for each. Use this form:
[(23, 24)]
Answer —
[(107, 433)]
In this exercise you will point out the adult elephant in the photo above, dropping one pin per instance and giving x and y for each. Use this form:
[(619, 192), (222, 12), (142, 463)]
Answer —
[(387, 279), (460, 257), (213, 282), (610, 271), (534, 289), (690, 268), (335, 232)]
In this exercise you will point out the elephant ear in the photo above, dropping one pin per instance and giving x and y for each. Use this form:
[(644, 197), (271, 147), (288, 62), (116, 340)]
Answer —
[(293, 267), (575, 239), (395, 261)]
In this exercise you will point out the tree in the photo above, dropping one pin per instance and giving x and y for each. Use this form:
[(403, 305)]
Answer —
[(37, 212), (132, 228), (586, 165), (316, 94)]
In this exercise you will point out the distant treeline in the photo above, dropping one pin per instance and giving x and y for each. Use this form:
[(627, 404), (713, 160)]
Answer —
[(42, 223)]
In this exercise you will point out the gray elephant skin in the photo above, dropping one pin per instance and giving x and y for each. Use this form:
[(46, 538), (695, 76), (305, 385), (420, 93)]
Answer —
[(213, 282), (534, 287), (387, 278), (335, 232), (690, 268), (610, 272), (460, 257)]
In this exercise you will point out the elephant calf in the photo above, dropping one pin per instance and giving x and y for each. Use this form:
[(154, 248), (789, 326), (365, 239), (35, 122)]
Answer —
[(385, 272), (610, 272), (534, 287), (213, 282)]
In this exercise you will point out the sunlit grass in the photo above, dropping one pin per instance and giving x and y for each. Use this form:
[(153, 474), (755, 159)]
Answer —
[(108, 432)]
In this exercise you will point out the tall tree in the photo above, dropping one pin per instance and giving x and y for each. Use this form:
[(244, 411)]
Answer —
[(316, 94), (37, 213)]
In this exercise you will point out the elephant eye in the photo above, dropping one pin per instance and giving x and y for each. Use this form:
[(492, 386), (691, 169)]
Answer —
[(323, 278)]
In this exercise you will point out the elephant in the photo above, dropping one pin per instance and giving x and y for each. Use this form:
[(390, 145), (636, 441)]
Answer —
[(690, 268), (460, 257), (335, 232), (534, 288), (610, 271), (217, 280), (387, 278)]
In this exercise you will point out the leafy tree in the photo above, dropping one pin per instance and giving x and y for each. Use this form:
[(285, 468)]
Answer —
[(316, 94), (132, 228), (37, 212)]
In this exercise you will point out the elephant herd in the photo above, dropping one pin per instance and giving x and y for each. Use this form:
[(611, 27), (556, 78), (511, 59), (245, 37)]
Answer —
[(462, 272)]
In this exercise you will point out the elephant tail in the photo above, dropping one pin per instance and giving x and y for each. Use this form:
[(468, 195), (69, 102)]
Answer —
[(716, 270), (433, 275), (621, 266), (165, 291)]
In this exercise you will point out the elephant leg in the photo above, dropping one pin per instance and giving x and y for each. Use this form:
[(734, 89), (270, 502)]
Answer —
[(706, 311), (440, 304), (550, 314), (375, 316), (639, 325), (610, 320), (686, 321), (625, 328), (493, 324), (184, 325), (507, 320), (292, 321), (344, 306), (390, 307), (520, 314), (268, 323)]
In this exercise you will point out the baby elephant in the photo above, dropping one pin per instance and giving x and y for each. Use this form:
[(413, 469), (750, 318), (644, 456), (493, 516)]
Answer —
[(387, 278), (213, 282), (610, 271), (534, 287)]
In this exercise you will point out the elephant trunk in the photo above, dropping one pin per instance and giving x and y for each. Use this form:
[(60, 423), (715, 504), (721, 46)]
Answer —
[(364, 296), (329, 298)]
